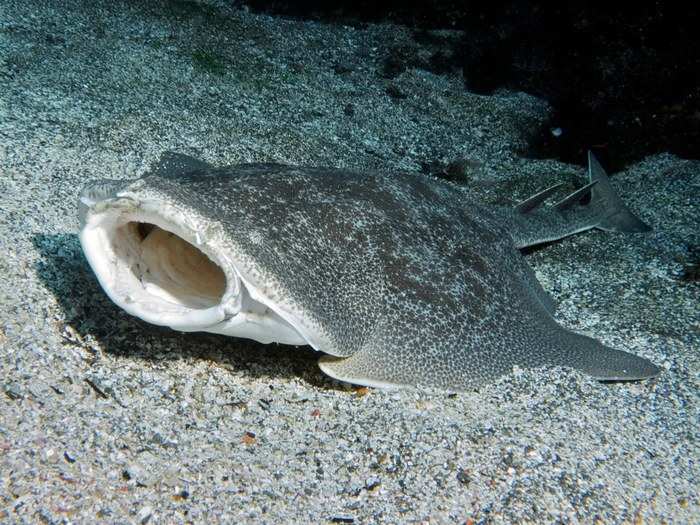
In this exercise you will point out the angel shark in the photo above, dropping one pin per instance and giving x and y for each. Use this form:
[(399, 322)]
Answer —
[(399, 278)]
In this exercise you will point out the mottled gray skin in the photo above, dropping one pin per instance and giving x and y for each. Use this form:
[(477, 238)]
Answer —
[(410, 281)]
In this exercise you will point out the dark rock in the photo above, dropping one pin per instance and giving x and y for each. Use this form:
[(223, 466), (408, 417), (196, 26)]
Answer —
[(395, 92), (14, 391), (342, 68)]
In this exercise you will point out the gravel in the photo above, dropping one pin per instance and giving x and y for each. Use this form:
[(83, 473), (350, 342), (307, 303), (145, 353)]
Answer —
[(104, 418)]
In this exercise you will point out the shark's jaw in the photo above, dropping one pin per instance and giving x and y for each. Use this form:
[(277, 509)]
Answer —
[(155, 266)]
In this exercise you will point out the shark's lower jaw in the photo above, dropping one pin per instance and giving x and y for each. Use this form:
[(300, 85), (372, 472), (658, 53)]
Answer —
[(151, 264)]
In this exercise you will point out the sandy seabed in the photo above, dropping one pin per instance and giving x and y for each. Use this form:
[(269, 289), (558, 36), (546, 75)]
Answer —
[(106, 419)]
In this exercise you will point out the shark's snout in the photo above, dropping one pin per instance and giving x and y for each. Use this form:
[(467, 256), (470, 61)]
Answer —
[(95, 192), (159, 263)]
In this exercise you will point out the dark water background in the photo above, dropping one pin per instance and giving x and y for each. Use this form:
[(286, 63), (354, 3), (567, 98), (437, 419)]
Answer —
[(623, 80)]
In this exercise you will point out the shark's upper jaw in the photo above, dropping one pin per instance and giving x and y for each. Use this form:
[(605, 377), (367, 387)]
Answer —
[(153, 265)]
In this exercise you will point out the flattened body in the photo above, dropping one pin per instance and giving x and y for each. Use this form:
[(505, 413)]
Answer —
[(348, 248), (401, 278)]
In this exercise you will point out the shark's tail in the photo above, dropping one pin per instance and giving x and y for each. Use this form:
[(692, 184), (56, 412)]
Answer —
[(615, 216), (530, 224)]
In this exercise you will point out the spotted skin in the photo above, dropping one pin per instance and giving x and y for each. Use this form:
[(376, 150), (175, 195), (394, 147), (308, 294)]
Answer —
[(405, 279)]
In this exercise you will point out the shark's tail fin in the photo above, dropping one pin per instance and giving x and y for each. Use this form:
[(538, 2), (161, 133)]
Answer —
[(615, 216), (530, 223)]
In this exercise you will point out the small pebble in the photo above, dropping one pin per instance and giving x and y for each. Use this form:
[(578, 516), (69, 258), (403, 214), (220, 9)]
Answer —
[(463, 477), (342, 518), (14, 391), (372, 483), (144, 515), (137, 474), (50, 455)]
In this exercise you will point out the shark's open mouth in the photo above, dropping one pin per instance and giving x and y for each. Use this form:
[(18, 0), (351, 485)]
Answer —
[(171, 268), (157, 268)]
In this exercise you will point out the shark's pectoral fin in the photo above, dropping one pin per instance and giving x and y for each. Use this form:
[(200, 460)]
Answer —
[(601, 362), (397, 361), (397, 357), (359, 369), (362, 368)]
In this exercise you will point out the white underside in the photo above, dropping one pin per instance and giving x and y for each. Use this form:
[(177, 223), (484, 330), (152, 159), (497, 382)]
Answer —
[(151, 264)]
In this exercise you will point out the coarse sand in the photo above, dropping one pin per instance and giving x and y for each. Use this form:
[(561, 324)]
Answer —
[(106, 419)]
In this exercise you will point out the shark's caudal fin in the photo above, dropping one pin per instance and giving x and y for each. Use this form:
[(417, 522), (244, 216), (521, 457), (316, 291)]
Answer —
[(530, 224), (615, 216)]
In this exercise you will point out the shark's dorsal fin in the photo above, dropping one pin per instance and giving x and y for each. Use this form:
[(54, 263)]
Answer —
[(575, 197), (533, 202)]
